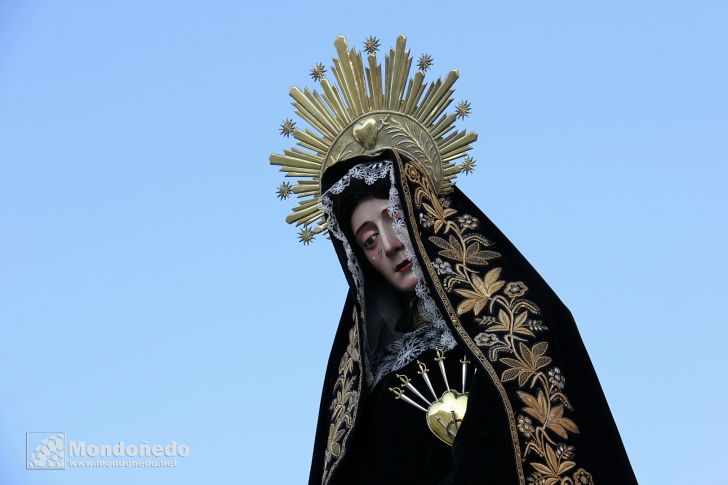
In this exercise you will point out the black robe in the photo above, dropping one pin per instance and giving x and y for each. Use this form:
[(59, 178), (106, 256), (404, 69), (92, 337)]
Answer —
[(536, 412)]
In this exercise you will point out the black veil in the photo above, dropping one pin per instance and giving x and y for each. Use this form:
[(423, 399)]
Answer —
[(480, 294)]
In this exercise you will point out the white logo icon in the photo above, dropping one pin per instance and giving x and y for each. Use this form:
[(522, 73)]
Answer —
[(46, 451)]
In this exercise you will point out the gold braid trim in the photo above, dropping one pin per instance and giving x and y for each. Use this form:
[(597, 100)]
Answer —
[(344, 405), (509, 335)]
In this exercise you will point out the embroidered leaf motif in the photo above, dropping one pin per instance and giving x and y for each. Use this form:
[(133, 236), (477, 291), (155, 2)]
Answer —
[(474, 255), (440, 213), (491, 278), (552, 418), (553, 467), (551, 459), (527, 364), (519, 326), (453, 249), (536, 407), (566, 466), (559, 424), (450, 249), (482, 290), (506, 324), (543, 469), (501, 324)]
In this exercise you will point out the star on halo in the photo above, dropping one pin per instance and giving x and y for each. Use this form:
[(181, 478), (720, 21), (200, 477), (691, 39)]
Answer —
[(462, 110), (467, 165), (424, 62), (284, 190), (287, 127), (318, 71), (305, 236), (371, 45)]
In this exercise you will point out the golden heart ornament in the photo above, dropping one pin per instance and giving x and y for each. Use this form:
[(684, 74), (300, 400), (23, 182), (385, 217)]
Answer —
[(365, 132), (445, 415)]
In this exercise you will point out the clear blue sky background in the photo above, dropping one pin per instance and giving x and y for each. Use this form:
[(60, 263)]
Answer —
[(150, 290)]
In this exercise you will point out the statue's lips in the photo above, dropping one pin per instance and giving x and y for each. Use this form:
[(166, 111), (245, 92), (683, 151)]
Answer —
[(403, 266)]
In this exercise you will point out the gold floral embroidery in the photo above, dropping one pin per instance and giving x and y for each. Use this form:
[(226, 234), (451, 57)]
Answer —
[(508, 335), (344, 405), (582, 477)]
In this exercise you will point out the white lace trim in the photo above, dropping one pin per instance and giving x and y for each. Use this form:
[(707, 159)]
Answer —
[(370, 173), (435, 333)]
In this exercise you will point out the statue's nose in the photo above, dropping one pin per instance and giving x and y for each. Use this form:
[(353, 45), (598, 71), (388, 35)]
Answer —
[(390, 243)]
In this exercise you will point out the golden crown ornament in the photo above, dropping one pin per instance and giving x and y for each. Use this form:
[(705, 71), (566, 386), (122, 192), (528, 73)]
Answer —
[(364, 112)]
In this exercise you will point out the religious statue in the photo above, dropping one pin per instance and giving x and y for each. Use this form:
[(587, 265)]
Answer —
[(454, 362)]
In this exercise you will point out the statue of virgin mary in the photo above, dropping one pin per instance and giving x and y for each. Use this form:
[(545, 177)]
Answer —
[(453, 362)]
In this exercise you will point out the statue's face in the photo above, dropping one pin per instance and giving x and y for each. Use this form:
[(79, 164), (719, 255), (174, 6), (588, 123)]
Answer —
[(372, 228)]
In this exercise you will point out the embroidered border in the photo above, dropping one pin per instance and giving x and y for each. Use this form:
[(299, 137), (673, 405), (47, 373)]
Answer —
[(507, 330), (347, 390)]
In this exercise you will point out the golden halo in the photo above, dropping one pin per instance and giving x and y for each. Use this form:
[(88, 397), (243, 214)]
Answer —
[(362, 113)]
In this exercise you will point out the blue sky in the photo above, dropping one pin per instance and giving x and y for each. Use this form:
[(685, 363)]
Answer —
[(150, 290)]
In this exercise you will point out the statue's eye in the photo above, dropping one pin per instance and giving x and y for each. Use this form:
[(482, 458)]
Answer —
[(370, 241)]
